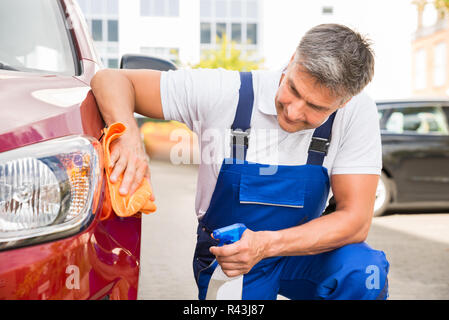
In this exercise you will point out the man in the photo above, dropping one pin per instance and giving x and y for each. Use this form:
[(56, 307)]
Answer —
[(327, 135)]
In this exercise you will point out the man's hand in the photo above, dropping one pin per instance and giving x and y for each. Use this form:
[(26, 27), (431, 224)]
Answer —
[(120, 93), (239, 257), (129, 157)]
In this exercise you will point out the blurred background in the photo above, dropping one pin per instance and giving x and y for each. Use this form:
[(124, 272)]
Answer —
[(411, 85), (409, 37)]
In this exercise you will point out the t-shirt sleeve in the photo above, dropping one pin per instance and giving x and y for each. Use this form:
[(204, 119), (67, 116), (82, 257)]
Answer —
[(360, 149), (195, 96)]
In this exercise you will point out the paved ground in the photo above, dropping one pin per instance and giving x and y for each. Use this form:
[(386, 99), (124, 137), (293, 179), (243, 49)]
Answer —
[(417, 245)]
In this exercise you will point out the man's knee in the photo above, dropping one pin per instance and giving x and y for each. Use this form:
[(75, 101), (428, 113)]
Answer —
[(369, 281), (363, 275)]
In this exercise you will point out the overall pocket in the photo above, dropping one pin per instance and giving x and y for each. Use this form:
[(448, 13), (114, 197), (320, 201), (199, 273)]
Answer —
[(272, 191), (269, 202)]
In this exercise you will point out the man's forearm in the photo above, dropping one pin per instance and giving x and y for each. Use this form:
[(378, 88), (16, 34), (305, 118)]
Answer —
[(115, 97), (319, 235)]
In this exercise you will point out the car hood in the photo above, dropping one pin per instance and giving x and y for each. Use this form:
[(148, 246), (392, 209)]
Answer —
[(37, 107)]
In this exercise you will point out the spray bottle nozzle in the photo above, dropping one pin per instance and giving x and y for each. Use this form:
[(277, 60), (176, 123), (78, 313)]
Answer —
[(229, 234)]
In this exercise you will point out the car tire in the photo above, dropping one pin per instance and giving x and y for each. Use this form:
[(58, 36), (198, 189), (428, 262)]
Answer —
[(383, 195)]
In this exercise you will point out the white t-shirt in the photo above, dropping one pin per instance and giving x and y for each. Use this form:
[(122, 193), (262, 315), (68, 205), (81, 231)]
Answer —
[(206, 101)]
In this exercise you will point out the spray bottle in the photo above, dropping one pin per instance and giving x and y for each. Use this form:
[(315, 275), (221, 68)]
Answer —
[(222, 287)]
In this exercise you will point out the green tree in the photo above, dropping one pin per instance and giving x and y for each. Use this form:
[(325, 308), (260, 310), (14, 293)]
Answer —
[(227, 56), (443, 4), (443, 8)]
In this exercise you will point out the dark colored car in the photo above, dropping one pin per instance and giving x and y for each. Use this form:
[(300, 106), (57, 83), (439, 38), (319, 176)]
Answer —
[(415, 156), (415, 148), (55, 242)]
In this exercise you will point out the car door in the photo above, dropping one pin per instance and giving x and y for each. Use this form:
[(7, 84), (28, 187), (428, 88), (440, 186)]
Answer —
[(415, 140)]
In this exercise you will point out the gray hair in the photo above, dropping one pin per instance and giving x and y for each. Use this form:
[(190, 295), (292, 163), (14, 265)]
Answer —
[(339, 58)]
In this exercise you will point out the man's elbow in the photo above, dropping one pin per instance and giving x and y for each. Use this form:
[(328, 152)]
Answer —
[(357, 225), (360, 237), (362, 232), (100, 78)]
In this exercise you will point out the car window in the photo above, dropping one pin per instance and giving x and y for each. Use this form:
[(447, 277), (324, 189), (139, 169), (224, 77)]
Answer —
[(34, 37), (417, 120), (380, 113)]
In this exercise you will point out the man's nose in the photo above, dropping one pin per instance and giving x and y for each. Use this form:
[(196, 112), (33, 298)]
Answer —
[(295, 111)]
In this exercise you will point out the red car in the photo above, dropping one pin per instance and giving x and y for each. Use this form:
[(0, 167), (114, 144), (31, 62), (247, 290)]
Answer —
[(54, 240)]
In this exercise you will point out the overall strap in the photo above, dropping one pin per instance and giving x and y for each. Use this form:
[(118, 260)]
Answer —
[(240, 128), (320, 143)]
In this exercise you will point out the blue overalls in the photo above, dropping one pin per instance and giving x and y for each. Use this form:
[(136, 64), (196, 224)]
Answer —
[(292, 196)]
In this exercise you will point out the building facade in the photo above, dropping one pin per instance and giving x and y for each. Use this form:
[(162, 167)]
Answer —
[(237, 19), (102, 17), (430, 52), (177, 30), (181, 30)]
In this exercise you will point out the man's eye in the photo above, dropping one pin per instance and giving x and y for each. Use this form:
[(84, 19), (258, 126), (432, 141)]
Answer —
[(319, 109), (296, 93)]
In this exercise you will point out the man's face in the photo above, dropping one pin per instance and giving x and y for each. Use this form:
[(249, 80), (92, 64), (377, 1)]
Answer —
[(301, 103)]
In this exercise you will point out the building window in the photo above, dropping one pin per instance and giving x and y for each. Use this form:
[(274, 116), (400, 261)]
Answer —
[(97, 7), (159, 8), (236, 8), (239, 19), (97, 30), (251, 9), (206, 8), (113, 30), (102, 17), (439, 65), (327, 10), (113, 63), (111, 7), (173, 8), (220, 30), (205, 33), (236, 33), (251, 33), (420, 69), (145, 9), (221, 8)]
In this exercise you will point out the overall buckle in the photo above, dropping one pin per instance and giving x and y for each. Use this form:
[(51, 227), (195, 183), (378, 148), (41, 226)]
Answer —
[(319, 145), (240, 137)]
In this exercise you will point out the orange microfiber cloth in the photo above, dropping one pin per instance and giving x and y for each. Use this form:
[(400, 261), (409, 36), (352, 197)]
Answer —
[(128, 205)]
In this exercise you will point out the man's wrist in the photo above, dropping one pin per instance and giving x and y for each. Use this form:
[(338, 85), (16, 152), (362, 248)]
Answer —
[(132, 130), (271, 242)]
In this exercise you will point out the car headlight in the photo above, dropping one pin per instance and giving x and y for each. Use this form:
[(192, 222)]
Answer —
[(48, 190)]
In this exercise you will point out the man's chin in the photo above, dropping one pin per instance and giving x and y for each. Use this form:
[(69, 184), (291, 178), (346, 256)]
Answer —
[(291, 128)]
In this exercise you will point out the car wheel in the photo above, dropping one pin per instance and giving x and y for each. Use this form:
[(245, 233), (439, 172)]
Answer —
[(383, 195)]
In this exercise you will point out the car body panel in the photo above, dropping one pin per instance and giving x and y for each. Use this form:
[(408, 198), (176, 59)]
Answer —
[(102, 260), (43, 107), (420, 166), (417, 163)]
